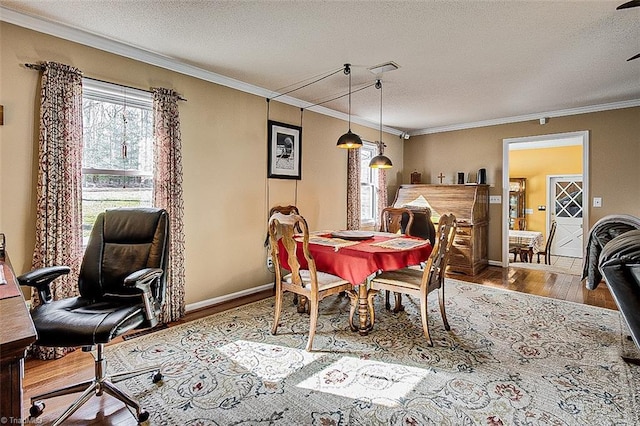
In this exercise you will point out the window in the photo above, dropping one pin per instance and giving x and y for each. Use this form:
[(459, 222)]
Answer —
[(117, 163), (368, 185)]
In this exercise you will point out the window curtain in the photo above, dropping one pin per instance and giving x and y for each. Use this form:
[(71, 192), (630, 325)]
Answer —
[(167, 187), (382, 195), (58, 188), (353, 189)]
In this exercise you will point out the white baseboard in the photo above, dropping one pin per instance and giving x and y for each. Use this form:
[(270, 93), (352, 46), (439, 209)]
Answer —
[(216, 300)]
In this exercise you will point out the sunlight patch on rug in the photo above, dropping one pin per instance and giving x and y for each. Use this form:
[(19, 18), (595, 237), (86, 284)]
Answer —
[(378, 382), (271, 363)]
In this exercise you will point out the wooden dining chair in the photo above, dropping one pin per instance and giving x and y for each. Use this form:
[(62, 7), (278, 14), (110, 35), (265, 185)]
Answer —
[(420, 283), (290, 209), (547, 246), (391, 220), (309, 283)]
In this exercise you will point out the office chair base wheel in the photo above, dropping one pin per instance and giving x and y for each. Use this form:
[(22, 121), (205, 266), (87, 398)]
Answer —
[(143, 416), (36, 409), (157, 377)]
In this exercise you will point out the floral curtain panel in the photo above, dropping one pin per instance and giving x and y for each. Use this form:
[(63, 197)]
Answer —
[(167, 187), (58, 188), (353, 189), (382, 195)]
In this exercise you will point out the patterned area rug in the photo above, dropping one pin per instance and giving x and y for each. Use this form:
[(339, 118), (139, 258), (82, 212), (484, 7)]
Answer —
[(509, 359)]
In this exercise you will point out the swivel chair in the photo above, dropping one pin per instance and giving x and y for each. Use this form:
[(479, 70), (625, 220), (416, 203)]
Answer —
[(122, 287)]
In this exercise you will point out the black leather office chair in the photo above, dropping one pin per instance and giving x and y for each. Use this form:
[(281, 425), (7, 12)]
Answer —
[(122, 287)]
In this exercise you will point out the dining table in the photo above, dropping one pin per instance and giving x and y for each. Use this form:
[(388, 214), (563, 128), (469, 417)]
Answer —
[(532, 241), (357, 256)]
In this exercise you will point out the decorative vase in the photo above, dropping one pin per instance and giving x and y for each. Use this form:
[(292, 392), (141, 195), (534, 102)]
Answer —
[(482, 176)]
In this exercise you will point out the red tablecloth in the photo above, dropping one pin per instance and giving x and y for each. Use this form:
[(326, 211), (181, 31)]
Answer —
[(355, 263)]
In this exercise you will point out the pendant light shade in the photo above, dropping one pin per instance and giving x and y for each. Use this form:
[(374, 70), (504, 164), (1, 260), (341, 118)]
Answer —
[(349, 140), (380, 161)]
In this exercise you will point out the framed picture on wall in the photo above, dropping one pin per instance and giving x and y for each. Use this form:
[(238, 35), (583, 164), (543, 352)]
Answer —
[(284, 153)]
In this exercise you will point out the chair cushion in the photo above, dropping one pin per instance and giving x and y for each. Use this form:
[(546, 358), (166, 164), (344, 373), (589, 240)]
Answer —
[(410, 278), (325, 280), (79, 321)]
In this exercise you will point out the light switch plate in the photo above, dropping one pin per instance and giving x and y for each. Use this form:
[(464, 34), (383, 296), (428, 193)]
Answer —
[(495, 199), (597, 201)]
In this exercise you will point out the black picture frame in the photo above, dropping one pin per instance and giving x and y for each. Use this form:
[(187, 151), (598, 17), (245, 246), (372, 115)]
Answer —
[(284, 151)]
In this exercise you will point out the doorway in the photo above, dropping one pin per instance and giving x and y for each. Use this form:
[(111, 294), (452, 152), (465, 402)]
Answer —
[(534, 142)]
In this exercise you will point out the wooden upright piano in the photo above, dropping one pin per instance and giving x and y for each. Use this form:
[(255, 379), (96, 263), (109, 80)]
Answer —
[(470, 205)]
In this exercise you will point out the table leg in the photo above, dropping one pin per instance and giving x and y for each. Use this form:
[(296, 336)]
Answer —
[(361, 300)]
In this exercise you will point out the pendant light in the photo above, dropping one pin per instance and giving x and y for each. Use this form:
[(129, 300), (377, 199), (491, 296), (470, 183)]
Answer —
[(380, 161), (349, 140)]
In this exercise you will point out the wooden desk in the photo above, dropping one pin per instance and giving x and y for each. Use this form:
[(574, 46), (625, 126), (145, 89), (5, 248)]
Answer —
[(17, 332), (470, 204)]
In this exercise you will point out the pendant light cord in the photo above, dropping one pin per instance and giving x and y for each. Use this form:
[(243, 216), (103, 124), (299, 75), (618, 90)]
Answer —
[(380, 144), (347, 70), (307, 84)]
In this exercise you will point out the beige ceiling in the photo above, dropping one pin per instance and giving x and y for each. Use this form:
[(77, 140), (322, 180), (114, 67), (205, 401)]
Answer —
[(461, 62)]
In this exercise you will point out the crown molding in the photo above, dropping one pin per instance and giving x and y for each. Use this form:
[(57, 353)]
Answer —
[(65, 32), (533, 117), (85, 38)]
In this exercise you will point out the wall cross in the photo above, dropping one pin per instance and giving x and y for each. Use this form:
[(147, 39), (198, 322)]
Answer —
[(440, 176)]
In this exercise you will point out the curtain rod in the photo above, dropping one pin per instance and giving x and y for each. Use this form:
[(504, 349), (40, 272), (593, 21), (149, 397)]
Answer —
[(38, 67)]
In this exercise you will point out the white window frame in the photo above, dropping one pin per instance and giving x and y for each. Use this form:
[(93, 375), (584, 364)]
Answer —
[(129, 98), (369, 178)]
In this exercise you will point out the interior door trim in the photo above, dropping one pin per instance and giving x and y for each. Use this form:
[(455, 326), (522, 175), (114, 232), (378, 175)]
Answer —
[(584, 135)]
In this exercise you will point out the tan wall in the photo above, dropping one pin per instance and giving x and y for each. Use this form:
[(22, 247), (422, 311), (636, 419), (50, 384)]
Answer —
[(535, 165), (614, 158), (224, 136)]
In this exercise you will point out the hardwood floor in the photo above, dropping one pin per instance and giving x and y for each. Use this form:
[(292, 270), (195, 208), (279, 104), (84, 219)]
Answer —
[(42, 376)]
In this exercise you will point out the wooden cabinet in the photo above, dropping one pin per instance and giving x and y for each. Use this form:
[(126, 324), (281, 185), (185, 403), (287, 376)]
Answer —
[(470, 205), (517, 187)]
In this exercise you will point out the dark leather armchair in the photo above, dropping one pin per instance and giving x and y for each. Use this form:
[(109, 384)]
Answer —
[(121, 286), (620, 266)]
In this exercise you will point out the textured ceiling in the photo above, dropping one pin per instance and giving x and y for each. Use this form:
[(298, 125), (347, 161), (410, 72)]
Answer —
[(460, 62)]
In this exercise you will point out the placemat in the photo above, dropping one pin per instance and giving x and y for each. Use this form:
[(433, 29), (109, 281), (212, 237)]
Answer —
[(401, 243), (331, 242)]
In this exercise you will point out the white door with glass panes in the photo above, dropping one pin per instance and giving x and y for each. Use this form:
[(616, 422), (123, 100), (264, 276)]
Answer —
[(565, 206)]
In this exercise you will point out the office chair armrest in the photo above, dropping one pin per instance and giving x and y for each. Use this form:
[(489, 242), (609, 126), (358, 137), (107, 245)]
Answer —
[(41, 279), (143, 277), (142, 280)]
